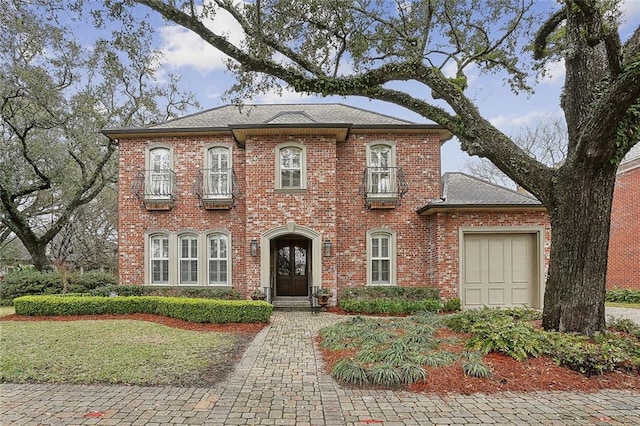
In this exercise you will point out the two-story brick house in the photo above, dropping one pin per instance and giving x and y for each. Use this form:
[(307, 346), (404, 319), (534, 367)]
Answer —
[(290, 198)]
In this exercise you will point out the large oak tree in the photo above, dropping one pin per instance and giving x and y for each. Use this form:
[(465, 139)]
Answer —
[(396, 51), (56, 92)]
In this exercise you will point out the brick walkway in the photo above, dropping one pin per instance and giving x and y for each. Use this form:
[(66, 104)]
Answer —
[(280, 382)]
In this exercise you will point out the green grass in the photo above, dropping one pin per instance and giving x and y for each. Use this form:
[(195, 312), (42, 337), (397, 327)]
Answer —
[(6, 310), (623, 305), (113, 351)]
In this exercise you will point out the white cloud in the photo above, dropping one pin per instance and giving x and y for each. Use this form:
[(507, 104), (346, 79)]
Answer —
[(554, 73), (510, 122), (630, 12), (183, 48), (471, 71), (287, 96)]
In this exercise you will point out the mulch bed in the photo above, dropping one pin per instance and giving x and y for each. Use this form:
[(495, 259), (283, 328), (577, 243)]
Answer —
[(243, 328), (509, 375)]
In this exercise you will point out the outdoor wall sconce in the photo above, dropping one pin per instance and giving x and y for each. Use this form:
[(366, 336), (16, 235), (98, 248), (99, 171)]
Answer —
[(253, 248), (326, 248)]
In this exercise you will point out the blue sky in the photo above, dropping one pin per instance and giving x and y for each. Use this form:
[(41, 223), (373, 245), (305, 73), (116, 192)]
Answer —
[(203, 71)]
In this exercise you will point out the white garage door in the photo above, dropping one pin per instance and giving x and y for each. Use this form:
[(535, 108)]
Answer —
[(499, 270)]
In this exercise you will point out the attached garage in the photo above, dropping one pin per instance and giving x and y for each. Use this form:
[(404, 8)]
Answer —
[(500, 269), (490, 244)]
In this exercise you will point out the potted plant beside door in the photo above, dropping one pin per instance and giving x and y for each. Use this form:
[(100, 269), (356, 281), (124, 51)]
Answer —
[(258, 295), (323, 295)]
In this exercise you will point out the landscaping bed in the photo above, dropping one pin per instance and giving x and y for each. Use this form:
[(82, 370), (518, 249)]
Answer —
[(370, 355)]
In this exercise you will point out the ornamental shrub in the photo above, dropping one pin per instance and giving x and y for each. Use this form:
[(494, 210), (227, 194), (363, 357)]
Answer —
[(390, 300), (195, 292), (214, 311), (187, 309), (623, 296), (390, 292), (31, 282), (392, 307)]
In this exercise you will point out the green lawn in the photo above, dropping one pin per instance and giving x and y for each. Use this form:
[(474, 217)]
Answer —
[(6, 310), (114, 351)]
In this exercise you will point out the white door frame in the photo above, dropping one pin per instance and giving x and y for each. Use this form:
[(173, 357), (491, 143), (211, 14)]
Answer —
[(290, 228)]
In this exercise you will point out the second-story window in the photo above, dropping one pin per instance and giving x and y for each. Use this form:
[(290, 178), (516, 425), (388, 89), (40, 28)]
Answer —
[(159, 175), (291, 167), (218, 176), (380, 172)]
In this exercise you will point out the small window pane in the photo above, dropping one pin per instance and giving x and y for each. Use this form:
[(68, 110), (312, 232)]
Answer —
[(380, 259), (159, 259), (218, 259), (291, 168), (188, 263)]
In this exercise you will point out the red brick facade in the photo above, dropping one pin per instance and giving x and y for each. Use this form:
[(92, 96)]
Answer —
[(332, 209), (445, 232), (624, 242)]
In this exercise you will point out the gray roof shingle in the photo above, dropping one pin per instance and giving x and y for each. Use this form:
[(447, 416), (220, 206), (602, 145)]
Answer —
[(229, 115), (634, 153), (462, 190)]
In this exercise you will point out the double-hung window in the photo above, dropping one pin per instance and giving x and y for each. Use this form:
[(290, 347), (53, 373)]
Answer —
[(188, 261), (159, 175), (381, 170), (218, 173), (159, 259), (381, 257), (218, 259), (291, 168)]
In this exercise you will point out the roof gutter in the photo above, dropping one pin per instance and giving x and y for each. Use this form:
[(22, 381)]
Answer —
[(443, 208)]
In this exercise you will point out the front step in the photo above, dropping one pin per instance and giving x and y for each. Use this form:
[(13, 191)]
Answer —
[(291, 303)]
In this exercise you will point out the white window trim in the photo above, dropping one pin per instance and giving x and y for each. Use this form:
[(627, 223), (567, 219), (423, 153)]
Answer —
[(393, 256), (174, 257), (179, 257), (205, 276), (205, 156), (147, 162), (392, 164), (303, 166), (147, 257)]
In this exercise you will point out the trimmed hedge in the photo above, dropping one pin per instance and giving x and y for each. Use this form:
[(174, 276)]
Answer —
[(390, 292), (187, 309), (214, 311), (394, 307), (193, 292), (390, 300)]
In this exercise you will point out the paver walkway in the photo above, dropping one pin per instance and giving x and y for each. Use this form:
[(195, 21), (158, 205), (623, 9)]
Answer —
[(280, 381)]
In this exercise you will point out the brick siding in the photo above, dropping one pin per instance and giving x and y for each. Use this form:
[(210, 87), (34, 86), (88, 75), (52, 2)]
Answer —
[(333, 206), (624, 241)]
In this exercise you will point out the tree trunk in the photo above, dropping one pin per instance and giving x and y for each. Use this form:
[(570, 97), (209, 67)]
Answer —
[(38, 252), (576, 283)]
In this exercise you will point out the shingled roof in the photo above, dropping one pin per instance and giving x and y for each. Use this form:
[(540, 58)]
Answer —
[(631, 160), (257, 114), (461, 191), (333, 118)]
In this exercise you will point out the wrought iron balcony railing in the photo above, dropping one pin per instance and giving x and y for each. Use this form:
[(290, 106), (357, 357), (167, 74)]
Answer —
[(156, 188), (216, 186), (384, 184)]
